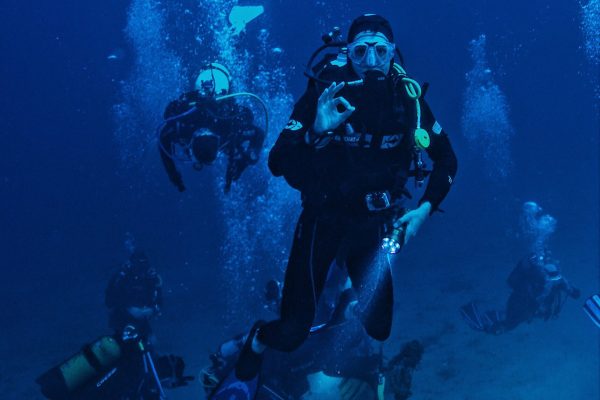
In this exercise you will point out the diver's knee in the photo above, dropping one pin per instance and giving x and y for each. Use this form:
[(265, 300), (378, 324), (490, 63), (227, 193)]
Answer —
[(379, 331), (380, 334)]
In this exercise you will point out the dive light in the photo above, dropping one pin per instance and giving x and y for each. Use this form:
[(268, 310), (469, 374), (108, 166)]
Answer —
[(392, 243)]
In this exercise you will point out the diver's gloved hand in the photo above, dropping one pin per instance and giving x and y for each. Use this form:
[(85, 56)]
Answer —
[(413, 220), (131, 340), (233, 173), (575, 293), (328, 117), (130, 334)]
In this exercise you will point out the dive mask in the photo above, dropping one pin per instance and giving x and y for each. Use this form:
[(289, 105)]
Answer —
[(381, 51)]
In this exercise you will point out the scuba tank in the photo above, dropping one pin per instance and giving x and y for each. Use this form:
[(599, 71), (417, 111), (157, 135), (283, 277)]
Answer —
[(91, 362)]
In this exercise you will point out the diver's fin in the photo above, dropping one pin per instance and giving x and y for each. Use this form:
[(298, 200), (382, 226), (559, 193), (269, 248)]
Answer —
[(493, 321), (248, 364), (480, 321), (592, 309), (470, 313), (231, 388)]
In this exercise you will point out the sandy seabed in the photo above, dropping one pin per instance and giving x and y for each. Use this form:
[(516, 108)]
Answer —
[(554, 360)]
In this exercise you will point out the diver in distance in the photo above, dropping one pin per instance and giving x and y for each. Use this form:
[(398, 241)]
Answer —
[(124, 365), (538, 291), (133, 295), (207, 121), (348, 149), (538, 288)]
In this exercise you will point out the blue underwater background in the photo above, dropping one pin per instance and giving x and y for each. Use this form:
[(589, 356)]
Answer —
[(84, 84)]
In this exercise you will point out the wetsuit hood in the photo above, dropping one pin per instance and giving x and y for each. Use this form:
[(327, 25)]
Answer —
[(371, 23)]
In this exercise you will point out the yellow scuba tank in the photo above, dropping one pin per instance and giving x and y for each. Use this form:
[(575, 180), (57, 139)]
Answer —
[(93, 360)]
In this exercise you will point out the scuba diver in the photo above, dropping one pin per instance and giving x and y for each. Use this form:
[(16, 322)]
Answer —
[(205, 122), (122, 366), (337, 351), (134, 295), (538, 291), (348, 149)]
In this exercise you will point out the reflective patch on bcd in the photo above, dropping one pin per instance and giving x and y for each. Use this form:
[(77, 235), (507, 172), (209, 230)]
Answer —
[(354, 139), (437, 128), (390, 141), (293, 125), (450, 179)]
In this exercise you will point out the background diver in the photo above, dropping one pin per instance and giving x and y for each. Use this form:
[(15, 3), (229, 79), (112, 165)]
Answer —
[(123, 366), (338, 350), (206, 121), (348, 149), (538, 290), (133, 295)]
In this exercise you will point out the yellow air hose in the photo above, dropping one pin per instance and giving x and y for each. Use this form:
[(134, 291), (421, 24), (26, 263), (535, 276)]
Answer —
[(413, 89)]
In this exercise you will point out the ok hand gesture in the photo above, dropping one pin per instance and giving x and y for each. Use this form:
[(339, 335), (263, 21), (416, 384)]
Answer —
[(328, 117)]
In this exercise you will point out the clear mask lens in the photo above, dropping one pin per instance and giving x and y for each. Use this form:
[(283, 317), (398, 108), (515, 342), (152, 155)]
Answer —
[(383, 51)]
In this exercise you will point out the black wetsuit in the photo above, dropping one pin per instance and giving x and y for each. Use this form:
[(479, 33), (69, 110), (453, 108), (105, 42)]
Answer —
[(334, 178), (238, 137), (128, 289)]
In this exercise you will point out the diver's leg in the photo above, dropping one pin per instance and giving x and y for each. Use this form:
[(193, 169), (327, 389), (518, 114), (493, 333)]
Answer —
[(519, 308), (371, 276), (314, 248)]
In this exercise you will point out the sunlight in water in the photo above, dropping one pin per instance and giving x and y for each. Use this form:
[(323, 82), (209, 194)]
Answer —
[(258, 214)]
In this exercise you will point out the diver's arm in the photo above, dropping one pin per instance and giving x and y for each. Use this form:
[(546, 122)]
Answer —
[(244, 149), (571, 290), (164, 147), (256, 140), (290, 156), (444, 160), (254, 135)]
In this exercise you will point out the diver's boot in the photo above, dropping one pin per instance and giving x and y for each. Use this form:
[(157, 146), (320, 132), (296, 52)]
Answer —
[(249, 361)]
